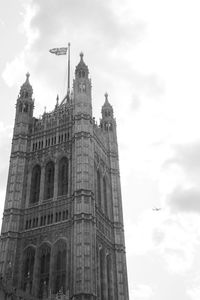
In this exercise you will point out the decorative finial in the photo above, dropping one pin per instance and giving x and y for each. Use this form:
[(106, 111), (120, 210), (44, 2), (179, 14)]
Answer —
[(27, 76), (57, 100), (45, 108), (106, 96), (81, 55)]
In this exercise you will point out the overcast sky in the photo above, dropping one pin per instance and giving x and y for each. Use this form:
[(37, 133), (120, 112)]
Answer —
[(146, 55)]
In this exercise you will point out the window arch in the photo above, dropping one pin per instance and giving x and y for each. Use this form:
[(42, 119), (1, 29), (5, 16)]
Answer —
[(60, 265), (28, 266), (105, 196), (35, 184), (109, 276), (101, 264), (63, 178), (49, 180), (44, 270), (99, 188)]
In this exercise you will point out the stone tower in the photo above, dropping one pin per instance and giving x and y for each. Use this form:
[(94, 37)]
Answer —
[(62, 226)]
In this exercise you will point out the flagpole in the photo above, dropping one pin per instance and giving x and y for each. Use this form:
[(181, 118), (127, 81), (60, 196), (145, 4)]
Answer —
[(68, 83)]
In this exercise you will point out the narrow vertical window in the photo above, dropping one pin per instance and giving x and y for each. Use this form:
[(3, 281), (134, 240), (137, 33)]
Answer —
[(105, 196), (49, 180), (35, 184), (60, 267), (109, 282), (99, 188), (28, 267), (102, 274), (44, 272), (63, 177)]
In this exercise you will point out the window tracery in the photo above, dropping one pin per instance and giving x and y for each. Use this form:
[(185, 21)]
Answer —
[(63, 177), (35, 184), (60, 266), (99, 188), (49, 180), (28, 268), (44, 271)]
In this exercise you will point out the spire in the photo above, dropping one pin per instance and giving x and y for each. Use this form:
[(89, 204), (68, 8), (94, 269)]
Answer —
[(26, 90), (107, 110), (81, 69)]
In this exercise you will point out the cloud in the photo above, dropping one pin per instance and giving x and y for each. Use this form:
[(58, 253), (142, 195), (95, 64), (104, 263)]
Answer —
[(187, 156), (194, 293), (142, 292), (172, 238), (187, 200)]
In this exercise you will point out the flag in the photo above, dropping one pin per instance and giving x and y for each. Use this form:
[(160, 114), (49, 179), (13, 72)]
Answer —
[(59, 51)]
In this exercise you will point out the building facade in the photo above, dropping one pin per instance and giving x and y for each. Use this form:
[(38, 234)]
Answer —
[(62, 224)]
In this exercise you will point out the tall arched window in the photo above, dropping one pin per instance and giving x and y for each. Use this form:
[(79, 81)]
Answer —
[(109, 281), (35, 184), (28, 266), (49, 180), (44, 269), (63, 177), (105, 196), (60, 267), (101, 258), (99, 188)]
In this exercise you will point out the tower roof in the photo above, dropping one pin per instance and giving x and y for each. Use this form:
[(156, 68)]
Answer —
[(26, 86), (82, 66), (106, 104)]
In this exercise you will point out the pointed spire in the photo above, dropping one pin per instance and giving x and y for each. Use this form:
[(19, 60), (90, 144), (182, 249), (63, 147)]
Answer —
[(57, 100), (81, 69), (26, 90), (106, 103), (107, 110), (27, 77), (81, 56)]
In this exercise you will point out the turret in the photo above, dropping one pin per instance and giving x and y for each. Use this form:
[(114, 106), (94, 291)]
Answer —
[(25, 103), (107, 122), (82, 88)]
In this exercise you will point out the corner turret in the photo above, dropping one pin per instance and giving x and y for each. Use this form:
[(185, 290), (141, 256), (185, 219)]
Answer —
[(107, 122), (25, 102), (82, 89)]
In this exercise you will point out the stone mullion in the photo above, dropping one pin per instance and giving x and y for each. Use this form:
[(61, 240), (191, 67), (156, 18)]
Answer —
[(56, 176), (36, 273), (98, 273), (51, 270), (111, 272), (104, 277), (28, 196), (42, 184)]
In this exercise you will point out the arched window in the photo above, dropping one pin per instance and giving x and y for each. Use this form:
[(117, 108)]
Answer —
[(105, 196), (20, 107), (35, 184), (44, 268), (60, 267), (99, 188), (49, 180), (101, 258), (63, 177), (109, 272), (28, 266)]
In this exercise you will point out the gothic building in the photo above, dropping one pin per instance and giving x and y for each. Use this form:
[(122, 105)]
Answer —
[(62, 224)]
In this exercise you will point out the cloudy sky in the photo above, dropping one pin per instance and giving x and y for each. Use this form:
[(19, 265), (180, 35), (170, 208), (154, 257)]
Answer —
[(145, 54)]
